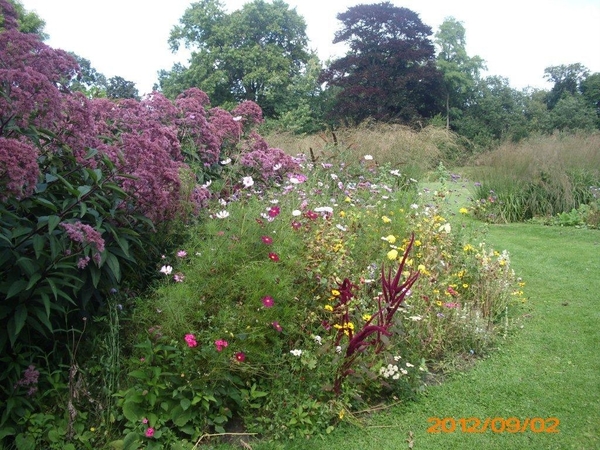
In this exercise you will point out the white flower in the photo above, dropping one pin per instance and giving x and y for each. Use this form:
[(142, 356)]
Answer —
[(397, 358), (248, 182), (414, 206), (296, 352), (207, 184), (333, 176), (338, 349), (294, 180), (368, 158), (222, 215), (277, 166), (341, 227), (222, 202), (415, 318), (237, 118), (396, 173), (318, 340), (446, 228), (396, 376), (296, 213), (226, 161), (404, 371), (409, 365), (325, 209), (166, 270)]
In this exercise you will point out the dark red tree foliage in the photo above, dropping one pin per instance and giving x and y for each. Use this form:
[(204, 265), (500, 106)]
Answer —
[(389, 72)]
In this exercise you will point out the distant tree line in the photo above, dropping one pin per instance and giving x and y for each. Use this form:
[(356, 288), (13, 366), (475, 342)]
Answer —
[(396, 70)]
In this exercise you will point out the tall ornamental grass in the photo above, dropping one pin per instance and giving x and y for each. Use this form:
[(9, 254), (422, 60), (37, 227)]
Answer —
[(538, 177)]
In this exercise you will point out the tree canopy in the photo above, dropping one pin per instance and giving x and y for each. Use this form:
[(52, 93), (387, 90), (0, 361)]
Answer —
[(251, 54), (389, 71), (460, 71)]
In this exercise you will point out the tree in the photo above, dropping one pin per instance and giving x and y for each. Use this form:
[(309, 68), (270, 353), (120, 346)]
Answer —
[(590, 89), (250, 54), (90, 82), (119, 88), (389, 71), (27, 21), (566, 79), (460, 71)]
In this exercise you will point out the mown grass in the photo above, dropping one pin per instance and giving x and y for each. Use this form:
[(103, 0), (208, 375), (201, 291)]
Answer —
[(549, 368)]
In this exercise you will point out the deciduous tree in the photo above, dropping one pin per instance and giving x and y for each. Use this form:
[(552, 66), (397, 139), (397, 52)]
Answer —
[(251, 54), (460, 71), (389, 71)]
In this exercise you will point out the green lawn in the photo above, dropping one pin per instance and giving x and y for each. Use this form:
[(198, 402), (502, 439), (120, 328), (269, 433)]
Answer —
[(549, 368)]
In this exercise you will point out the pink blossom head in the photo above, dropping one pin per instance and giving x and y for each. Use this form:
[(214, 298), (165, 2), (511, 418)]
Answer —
[(268, 302), (190, 340), (220, 344)]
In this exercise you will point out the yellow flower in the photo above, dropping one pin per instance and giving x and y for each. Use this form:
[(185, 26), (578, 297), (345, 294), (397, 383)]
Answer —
[(438, 303), (392, 254), (335, 292), (328, 308), (92, 429), (347, 199), (386, 219), (463, 211), (465, 285), (468, 248), (391, 238), (417, 243), (341, 414), (342, 214), (366, 317)]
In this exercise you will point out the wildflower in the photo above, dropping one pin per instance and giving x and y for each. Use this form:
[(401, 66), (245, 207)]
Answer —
[(222, 215), (451, 305), (395, 172), (247, 182), (274, 211), (273, 256), (221, 344), (296, 225), (390, 238), (144, 420), (318, 340), (296, 352), (392, 254), (267, 240), (415, 318), (149, 432), (277, 166), (463, 211), (446, 228), (166, 270), (409, 365), (386, 219), (296, 213), (451, 291), (328, 308), (225, 161), (338, 349), (368, 158), (277, 327), (179, 277), (325, 209), (190, 339), (311, 215), (366, 317), (240, 356), (268, 302), (335, 292)]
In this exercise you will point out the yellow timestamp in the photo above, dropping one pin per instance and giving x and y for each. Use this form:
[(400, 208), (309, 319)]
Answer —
[(494, 425)]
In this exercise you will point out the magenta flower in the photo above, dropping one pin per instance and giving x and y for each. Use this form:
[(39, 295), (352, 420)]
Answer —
[(221, 344), (274, 211), (179, 277), (277, 327), (149, 432), (311, 215), (190, 339), (296, 225), (182, 253), (451, 305), (268, 301), (267, 240), (240, 356), (273, 256)]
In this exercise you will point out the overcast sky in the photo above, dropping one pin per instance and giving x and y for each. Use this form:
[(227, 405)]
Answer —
[(518, 39)]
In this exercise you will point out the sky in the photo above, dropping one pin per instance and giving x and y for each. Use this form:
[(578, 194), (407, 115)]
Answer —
[(518, 39)]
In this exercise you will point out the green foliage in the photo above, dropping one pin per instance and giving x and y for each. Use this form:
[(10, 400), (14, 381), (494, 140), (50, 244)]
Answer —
[(29, 22), (254, 53), (540, 177), (263, 274)]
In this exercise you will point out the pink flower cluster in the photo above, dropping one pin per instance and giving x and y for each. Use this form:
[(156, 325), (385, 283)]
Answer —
[(190, 340), (18, 168), (221, 344)]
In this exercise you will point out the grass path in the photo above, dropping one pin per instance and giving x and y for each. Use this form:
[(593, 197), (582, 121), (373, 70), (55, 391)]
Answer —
[(550, 368)]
